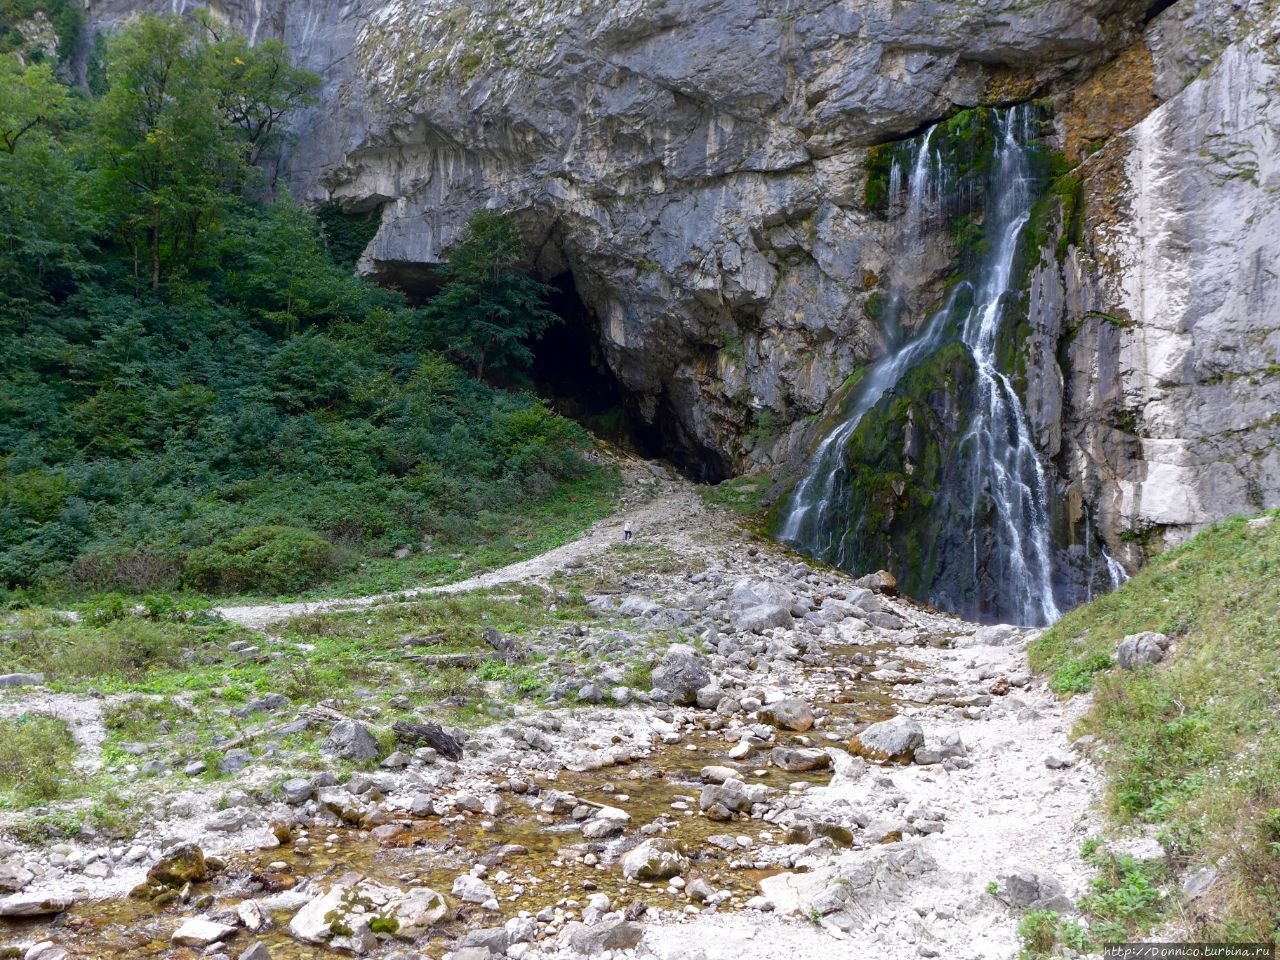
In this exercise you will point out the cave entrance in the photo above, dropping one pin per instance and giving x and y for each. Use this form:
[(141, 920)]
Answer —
[(570, 372)]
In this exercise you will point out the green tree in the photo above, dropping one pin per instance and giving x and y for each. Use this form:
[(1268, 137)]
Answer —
[(162, 156), (30, 98), (489, 308)]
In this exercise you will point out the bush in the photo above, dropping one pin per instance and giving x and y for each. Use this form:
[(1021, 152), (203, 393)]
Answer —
[(36, 752), (269, 559)]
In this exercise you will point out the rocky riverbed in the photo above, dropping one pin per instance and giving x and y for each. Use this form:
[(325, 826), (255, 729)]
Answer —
[(735, 754)]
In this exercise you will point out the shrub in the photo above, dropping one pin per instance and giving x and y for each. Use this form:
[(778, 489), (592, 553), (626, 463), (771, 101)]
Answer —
[(269, 559), (36, 752)]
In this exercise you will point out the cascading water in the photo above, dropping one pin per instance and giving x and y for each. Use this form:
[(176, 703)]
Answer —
[(989, 552)]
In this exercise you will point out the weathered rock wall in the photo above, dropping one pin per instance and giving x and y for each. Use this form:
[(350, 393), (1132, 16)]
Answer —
[(1158, 331), (696, 165)]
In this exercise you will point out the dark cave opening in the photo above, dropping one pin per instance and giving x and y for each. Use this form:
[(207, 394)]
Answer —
[(571, 373), (1157, 8)]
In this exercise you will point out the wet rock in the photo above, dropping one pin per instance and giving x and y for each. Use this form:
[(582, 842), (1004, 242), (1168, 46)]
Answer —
[(34, 905), (680, 675), (788, 715), (655, 859), (800, 759), (252, 916), (344, 918), (256, 952), (418, 734), (471, 889), (200, 933), (893, 741), (1141, 649), (716, 774), (182, 865), (700, 891), (1023, 887), (352, 741), (731, 795)]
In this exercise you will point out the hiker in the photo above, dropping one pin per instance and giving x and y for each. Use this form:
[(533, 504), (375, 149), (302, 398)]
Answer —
[(626, 532)]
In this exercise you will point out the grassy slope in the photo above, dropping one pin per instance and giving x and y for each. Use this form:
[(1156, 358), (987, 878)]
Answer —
[(1193, 745)]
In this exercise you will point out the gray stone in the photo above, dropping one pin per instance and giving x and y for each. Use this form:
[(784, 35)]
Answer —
[(296, 790), (892, 741), (352, 741), (471, 889), (760, 618), (233, 761), (1141, 650), (34, 905), (1023, 887), (799, 759), (10, 680), (654, 859), (198, 932), (233, 818), (257, 951), (788, 715), (680, 675), (608, 935)]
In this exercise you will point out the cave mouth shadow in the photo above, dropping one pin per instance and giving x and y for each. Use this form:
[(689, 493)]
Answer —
[(571, 373)]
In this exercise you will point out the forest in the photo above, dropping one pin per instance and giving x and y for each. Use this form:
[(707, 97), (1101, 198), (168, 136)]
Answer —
[(196, 391)]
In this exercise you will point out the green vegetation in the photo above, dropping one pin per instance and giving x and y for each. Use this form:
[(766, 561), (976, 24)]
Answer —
[(1124, 899), (489, 307), (1192, 743), (195, 395), (747, 495), (1044, 933), (36, 752)]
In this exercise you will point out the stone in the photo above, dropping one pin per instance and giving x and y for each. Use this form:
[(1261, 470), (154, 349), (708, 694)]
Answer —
[(296, 790), (182, 865), (1199, 883), (731, 795), (608, 935), (352, 741), (1059, 761), (1141, 650), (760, 618), (200, 933), (257, 951), (225, 821), (654, 859), (1026, 888), (882, 581), (680, 675), (503, 644), (46, 950), (800, 759), (34, 905), (252, 916), (421, 734), (11, 680), (471, 889), (233, 761), (788, 715), (13, 877), (892, 741)]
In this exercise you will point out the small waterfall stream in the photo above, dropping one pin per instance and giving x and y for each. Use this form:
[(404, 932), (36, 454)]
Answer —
[(1001, 511)]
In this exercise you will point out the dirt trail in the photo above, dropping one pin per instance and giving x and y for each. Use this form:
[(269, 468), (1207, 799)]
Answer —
[(651, 502)]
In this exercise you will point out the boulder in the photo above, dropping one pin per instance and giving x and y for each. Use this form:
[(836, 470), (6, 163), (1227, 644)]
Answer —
[(13, 877), (182, 865), (1141, 650), (788, 715), (730, 795), (800, 759), (352, 741), (758, 619), (257, 951), (655, 859), (471, 889), (893, 741), (296, 790), (34, 905), (200, 933), (608, 935), (680, 675), (1029, 889), (9, 680), (347, 917), (882, 581)]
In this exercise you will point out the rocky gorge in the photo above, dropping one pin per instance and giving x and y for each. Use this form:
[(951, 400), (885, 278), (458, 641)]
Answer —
[(802, 759), (700, 180)]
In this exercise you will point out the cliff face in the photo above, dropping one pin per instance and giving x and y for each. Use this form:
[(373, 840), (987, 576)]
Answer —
[(1158, 333), (697, 166), (699, 169)]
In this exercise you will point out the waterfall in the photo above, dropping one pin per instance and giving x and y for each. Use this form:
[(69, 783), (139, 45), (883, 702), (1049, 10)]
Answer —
[(997, 507)]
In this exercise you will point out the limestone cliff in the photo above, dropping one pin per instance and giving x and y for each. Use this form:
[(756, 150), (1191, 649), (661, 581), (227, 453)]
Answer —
[(699, 169)]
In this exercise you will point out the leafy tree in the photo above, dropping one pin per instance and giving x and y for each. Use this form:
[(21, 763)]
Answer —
[(162, 156), (29, 98), (489, 307)]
